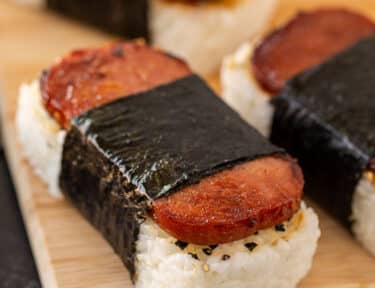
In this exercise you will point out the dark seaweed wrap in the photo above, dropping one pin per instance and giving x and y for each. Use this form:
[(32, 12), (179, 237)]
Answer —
[(326, 118), (128, 18), (119, 157)]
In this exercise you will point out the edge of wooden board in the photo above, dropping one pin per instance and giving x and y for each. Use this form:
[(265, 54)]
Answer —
[(20, 177)]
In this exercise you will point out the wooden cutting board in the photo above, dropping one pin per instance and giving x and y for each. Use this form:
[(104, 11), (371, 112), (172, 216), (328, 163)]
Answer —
[(68, 251)]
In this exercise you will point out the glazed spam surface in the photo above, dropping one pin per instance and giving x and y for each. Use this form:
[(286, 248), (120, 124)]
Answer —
[(325, 117), (122, 157), (87, 78), (234, 203), (307, 40)]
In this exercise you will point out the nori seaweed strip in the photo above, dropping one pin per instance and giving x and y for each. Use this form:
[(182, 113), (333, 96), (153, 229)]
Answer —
[(121, 155), (326, 118), (128, 18)]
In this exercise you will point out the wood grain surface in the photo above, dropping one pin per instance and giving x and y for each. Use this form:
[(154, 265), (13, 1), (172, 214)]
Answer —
[(68, 251)]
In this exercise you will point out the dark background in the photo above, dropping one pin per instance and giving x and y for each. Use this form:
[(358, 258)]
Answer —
[(17, 268)]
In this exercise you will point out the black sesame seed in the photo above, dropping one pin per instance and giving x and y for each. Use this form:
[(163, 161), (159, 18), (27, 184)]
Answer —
[(251, 246), (256, 233), (181, 244), (207, 251), (225, 257), (195, 256), (280, 227), (213, 247)]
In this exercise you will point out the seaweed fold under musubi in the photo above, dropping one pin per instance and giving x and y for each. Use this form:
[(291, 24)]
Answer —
[(326, 117), (185, 191)]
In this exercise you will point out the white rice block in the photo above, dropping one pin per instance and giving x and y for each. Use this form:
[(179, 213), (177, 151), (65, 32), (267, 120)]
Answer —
[(242, 92), (280, 260), (204, 34), (41, 137), (363, 213)]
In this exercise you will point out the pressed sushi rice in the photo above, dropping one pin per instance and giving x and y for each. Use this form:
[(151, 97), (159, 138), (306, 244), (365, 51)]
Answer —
[(41, 137), (279, 259), (275, 258), (363, 213), (243, 93)]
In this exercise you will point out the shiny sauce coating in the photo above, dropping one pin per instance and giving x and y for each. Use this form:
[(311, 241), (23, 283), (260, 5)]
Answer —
[(307, 40), (88, 78)]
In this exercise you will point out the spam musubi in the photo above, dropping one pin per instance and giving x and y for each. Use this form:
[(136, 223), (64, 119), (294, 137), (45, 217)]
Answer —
[(258, 70), (323, 116), (185, 191)]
